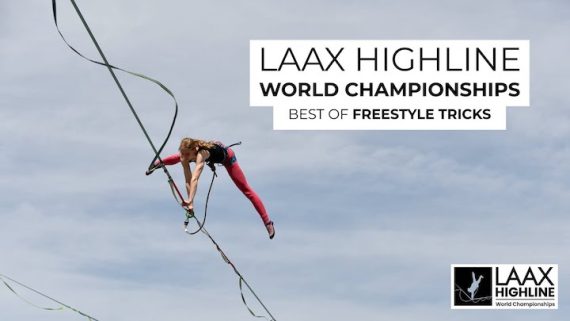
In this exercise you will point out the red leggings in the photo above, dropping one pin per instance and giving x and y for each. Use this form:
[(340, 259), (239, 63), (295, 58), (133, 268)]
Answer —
[(237, 177)]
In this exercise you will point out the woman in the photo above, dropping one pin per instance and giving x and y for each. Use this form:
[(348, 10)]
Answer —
[(202, 152)]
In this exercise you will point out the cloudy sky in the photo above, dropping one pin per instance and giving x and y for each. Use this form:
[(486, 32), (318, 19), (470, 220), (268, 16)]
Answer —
[(368, 223)]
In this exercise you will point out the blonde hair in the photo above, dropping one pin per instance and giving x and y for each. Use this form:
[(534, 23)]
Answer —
[(188, 143)]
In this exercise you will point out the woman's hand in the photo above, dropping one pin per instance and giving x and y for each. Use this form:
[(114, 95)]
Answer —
[(188, 204)]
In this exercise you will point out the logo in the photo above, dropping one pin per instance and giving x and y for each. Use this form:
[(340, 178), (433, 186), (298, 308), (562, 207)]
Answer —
[(472, 286), (504, 286)]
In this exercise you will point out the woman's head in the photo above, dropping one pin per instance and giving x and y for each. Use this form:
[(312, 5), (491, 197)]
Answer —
[(189, 146)]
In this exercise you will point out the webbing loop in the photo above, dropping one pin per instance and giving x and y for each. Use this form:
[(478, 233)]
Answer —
[(62, 306)]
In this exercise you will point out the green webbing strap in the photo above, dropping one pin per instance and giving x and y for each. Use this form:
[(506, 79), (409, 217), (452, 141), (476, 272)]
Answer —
[(241, 279), (62, 305), (224, 256), (111, 68)]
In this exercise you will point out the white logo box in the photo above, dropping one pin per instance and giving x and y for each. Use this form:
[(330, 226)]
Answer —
[(516, 286)]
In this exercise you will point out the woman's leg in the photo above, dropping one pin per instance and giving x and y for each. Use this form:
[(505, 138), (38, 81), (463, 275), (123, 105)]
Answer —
[(170, 160), (238, 178)]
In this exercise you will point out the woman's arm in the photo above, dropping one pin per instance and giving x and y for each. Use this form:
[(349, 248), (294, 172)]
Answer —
[(187, 177), (192, 178)]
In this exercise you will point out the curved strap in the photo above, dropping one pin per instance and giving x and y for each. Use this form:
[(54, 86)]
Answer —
[(245, 303), (201, 224), (62, 306), (241, 280), (111, 68)]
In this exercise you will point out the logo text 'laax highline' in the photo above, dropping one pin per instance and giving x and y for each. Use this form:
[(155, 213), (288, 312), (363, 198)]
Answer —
[(504, 286), (514, 285)]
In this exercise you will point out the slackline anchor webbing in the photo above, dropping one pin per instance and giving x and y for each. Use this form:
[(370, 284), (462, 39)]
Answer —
[(62, 306), (172, 184), (241, 279)]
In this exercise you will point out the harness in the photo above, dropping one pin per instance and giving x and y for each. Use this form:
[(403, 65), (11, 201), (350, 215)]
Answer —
[(225, 149)]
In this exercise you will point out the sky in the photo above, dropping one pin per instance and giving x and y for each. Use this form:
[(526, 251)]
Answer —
[(368, 222)]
